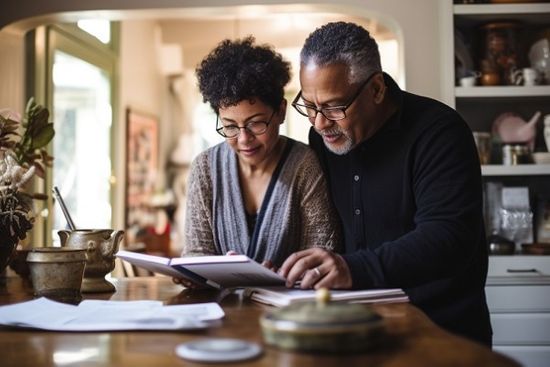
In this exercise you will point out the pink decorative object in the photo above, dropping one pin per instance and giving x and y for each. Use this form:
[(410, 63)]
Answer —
[(511, 128)]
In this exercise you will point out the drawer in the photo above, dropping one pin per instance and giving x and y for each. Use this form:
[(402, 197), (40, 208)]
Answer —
[(521, 329), (528, 356), (519, 265), (518, 298)]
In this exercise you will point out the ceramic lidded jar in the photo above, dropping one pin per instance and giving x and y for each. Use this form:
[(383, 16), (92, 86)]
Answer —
[(502, 48), (323, 326)]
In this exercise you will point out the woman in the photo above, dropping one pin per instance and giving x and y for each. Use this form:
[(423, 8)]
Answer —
[(258, 193)]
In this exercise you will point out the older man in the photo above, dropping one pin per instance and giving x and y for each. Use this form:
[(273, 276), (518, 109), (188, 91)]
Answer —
[(405, 178)]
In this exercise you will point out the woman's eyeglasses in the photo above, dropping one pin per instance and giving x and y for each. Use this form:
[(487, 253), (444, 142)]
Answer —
[(233, 131)]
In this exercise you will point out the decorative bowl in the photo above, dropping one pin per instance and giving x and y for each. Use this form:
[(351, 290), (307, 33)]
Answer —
[(322, 326)]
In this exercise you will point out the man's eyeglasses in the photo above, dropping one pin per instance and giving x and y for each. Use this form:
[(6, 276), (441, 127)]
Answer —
[(233, 131), (330, 113)]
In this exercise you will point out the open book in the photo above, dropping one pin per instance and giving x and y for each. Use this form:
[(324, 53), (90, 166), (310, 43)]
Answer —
[(215, 271), (280, 296)]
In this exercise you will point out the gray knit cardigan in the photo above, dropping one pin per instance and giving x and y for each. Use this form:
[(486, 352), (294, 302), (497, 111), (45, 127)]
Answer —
[(296, 212)]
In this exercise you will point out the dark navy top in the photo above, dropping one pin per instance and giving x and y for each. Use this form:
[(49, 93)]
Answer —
[(410, 202)]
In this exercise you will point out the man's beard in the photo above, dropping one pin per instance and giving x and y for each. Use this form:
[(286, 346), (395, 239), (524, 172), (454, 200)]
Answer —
[(343, 147)]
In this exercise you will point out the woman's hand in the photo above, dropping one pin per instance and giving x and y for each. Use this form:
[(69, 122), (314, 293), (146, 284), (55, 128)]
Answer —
[(268, 264)]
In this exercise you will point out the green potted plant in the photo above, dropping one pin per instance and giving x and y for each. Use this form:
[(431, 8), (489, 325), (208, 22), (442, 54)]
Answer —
[(22, 156)]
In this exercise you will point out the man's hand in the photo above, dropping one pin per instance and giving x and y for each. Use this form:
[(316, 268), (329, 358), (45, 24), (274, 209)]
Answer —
[(318, 268)]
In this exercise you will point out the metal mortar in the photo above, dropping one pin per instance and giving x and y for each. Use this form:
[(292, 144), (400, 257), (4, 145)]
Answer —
[(57, 272)]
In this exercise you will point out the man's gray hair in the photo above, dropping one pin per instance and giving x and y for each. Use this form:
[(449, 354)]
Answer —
[(346, 43)]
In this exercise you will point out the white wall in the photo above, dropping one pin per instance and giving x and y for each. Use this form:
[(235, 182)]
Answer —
[(417, 21), (12, 65), (141, 85), (140, 88)]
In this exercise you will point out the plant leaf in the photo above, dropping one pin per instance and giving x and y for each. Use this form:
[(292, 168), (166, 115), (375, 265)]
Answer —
[(43, 136), (39, 119)]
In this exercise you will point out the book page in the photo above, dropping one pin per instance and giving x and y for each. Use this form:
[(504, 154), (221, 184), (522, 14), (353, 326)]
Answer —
[(156, 264), (236, 274)]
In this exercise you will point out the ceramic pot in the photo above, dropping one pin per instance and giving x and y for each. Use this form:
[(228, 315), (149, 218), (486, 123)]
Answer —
[(489, 78), (501, 44), (499, 245), (6, 253)]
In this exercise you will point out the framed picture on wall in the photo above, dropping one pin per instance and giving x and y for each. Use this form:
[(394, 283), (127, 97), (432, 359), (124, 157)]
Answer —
[(142, 165)]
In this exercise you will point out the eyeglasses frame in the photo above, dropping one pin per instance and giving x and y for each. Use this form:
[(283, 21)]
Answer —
[(342, 108), (219, 130)]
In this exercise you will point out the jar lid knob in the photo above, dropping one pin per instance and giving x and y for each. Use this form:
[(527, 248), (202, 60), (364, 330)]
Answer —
[(322, 296)]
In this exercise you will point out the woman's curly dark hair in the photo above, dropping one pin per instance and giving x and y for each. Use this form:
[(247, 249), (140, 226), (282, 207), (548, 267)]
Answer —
[(238, 70)]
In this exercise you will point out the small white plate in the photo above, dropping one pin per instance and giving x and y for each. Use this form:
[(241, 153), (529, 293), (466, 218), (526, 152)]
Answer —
[(218, 350)]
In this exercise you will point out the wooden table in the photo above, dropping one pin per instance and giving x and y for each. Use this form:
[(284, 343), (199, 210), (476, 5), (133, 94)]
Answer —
[(418, 342)]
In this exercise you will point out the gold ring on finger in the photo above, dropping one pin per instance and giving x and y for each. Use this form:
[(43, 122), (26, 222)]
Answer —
[(317, 271)]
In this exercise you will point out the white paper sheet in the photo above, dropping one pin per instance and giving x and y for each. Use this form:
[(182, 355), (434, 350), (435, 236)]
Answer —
[(281, 296), (92, 315)]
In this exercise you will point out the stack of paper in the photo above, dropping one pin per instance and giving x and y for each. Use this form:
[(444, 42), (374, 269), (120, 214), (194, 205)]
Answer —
[(281, 296), (93, 315)]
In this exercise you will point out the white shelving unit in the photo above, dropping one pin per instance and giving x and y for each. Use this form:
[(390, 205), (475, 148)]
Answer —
[(519, 170), (519, 300), (489, 11), (520, 312), (503, 91)]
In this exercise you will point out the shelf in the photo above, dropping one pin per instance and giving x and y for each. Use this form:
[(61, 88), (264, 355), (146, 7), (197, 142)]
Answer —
[(503, 91), (519, 170), (533, 14), (501, 9)]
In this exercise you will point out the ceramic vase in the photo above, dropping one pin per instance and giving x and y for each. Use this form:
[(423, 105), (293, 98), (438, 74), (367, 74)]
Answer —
[(6, 253)]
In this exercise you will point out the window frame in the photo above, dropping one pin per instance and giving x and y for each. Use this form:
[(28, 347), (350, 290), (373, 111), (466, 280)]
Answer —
[(41, 45)]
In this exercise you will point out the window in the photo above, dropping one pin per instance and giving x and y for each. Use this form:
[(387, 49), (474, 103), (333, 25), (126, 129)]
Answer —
[(99, 28), (82, 120), (75, 79)]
